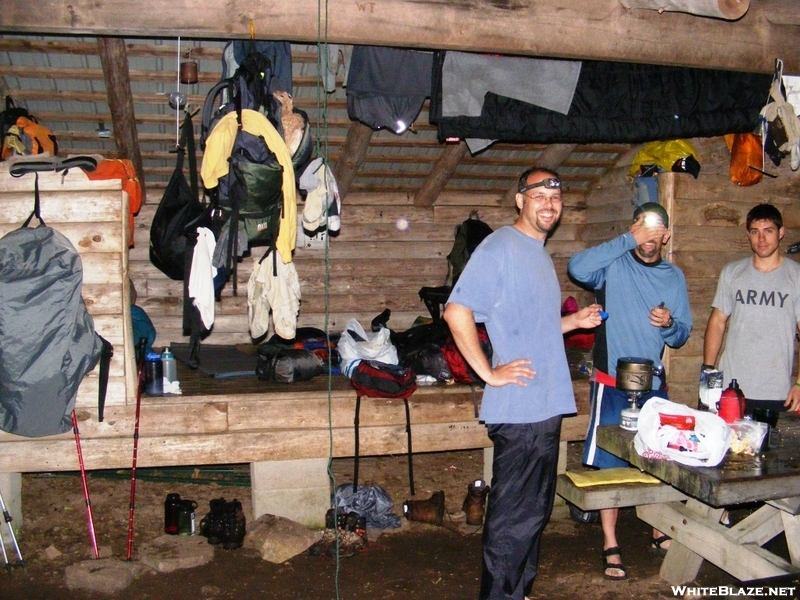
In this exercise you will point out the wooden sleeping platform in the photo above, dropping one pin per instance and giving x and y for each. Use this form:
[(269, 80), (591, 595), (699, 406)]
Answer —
[(285, 431)]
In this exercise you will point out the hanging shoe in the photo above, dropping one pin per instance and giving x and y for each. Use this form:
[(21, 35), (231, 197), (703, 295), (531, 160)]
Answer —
[(475, 502), (426, 511)]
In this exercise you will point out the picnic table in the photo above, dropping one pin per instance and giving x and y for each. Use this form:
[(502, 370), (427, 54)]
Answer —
[(771, 477)]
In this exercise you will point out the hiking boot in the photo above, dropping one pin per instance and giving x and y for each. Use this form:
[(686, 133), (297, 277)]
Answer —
[(426, 511), (321, 546), (475, 502), (212, 526), (349, 544), (335, 518), (234, 526)]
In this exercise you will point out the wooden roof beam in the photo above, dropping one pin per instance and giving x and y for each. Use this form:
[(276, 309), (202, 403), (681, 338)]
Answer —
[(599, 30), (120, 101), (352, 155), (442, 171)]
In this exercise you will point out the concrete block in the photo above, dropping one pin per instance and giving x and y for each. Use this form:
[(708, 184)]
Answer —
[(299, 490)]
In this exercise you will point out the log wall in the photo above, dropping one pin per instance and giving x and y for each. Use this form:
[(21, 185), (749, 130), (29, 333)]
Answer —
[(386, 251)]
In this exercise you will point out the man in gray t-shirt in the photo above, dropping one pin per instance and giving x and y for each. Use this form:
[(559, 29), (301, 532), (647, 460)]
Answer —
[(758, 298)]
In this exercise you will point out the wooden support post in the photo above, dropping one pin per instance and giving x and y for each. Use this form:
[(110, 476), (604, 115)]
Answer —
[(442, 171), (114, 58), (353, 153)]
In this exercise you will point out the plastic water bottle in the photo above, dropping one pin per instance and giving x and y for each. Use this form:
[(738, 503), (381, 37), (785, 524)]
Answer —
[(153, 375), (170, 368)]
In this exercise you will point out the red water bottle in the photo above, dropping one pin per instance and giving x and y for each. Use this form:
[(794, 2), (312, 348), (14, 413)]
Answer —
[(731, 403)]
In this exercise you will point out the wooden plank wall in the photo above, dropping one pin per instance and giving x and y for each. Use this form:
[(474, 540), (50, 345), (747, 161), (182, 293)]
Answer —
[(376, 262), (707, 218)]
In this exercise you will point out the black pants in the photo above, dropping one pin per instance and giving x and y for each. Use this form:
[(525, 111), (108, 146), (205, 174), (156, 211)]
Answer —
[(519, 506)]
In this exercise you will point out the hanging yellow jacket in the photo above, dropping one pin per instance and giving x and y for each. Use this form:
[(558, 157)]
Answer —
[(215, 166)]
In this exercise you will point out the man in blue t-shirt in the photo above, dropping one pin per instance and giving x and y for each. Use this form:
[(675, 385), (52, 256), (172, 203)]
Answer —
[(510, 285), (648, 307)]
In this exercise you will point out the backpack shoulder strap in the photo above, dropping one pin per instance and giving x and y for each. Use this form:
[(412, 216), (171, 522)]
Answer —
[(106, 352)]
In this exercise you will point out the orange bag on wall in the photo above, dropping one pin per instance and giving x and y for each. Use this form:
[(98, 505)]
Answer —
[(747, 158), (119, 168)]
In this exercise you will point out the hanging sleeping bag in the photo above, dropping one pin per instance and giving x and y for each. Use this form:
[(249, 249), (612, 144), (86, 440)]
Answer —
[(47, 337)]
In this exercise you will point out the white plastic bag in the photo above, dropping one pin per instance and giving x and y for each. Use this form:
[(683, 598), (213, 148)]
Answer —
[(711, 440), (360, 345)]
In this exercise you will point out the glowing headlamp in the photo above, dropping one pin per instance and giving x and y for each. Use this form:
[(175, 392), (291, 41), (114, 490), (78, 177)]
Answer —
[(653, 220), (550, 183)]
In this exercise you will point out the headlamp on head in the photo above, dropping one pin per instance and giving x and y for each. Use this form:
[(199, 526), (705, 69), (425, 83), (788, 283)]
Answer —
[(550, 183), (653, 220)]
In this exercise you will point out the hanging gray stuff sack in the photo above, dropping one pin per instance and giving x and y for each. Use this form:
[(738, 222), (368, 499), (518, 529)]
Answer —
[(47, 338)]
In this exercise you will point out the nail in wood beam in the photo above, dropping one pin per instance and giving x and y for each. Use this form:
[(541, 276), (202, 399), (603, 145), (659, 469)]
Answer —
[(441, 173), (114, 58)]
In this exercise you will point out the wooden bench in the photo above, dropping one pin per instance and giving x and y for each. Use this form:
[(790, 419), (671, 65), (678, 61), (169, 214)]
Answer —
[(286, 432), (618, 495)]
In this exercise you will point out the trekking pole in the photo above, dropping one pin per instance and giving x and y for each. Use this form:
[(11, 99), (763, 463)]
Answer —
[(8, 520), (89, 517), (5, 556), (140, 354)]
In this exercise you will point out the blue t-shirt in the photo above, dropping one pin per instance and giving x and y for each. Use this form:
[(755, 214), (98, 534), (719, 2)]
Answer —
[(629, 289), (510, 284)]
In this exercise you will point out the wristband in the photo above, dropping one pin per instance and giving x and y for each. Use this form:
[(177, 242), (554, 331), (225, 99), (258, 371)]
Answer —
[(797, 383), (705, 367)]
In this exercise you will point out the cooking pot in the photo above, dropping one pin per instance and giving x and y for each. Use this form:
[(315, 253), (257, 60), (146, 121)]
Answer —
[(636, 374)]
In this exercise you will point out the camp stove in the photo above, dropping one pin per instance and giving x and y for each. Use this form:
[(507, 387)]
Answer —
[(635, 378)]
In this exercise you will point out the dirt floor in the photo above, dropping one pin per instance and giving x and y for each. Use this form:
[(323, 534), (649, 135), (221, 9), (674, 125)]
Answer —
[(415, 561)]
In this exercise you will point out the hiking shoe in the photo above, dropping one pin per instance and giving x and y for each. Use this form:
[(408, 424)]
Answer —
[(335, 518), (212, 525), (234, 525), (426, 511), (475, 502), (349, 543), (321, 546)]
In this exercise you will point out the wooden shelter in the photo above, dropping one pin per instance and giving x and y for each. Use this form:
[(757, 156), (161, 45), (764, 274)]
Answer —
[(101, 77)]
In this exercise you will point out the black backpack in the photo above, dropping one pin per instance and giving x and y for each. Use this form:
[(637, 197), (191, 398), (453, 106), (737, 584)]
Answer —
[(468, 235), (249, 87), (179, 206)]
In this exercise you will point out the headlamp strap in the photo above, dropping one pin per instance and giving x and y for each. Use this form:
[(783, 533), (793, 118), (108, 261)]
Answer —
[(550, 183)]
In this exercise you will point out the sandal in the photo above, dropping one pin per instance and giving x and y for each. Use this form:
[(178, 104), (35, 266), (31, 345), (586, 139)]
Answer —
[(655, 545), (607, 566)]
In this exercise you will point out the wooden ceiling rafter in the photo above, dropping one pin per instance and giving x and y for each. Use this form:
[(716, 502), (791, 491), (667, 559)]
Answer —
[(443, 169), (597, 30), (353, 153)]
